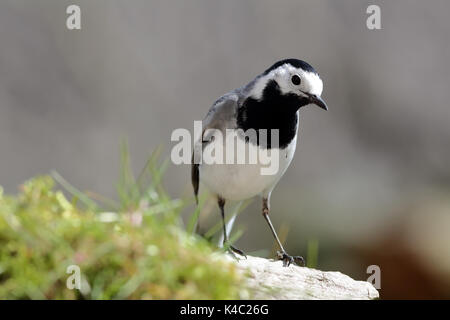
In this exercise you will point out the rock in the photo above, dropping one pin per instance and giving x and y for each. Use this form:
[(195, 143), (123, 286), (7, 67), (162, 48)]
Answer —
[(270, 280)]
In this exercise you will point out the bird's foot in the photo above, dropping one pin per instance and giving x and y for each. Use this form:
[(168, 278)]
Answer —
[(287, 259), (232, 250)]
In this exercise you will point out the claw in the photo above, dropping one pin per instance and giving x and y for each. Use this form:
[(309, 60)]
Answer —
[(238, 251), (288, 260), (232, 251)]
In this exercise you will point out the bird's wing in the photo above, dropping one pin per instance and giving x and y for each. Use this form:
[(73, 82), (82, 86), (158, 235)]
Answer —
[(221, 116)]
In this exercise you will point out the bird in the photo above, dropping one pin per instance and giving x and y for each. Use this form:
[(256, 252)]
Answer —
[(272, 100)]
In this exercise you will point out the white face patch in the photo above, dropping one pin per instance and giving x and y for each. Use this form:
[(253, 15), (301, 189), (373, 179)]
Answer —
[(310, 82), (258, 88), (313, 83)]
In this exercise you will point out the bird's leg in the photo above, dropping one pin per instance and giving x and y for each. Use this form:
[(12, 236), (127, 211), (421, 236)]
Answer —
[(231, 249), (282, 255)]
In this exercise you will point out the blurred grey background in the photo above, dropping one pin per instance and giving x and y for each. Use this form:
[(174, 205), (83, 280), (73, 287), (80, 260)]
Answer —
[(371, 178)]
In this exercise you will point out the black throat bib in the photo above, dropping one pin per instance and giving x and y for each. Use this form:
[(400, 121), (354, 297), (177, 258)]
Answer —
[(273, 111)]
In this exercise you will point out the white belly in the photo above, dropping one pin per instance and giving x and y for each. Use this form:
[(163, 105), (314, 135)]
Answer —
[(243, 181)]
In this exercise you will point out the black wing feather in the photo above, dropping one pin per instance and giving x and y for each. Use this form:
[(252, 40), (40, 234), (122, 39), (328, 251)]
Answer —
[(195, 177)]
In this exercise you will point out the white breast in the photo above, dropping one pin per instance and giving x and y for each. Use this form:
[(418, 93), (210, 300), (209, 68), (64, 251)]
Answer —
[(243, 181)]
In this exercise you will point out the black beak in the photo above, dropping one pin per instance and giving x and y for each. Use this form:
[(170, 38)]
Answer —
[(317, 101)]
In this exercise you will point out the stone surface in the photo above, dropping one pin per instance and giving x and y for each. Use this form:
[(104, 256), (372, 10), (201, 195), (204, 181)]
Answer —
[(270, 280)]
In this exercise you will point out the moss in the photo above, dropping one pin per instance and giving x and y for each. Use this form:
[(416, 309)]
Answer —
[(139, 252)]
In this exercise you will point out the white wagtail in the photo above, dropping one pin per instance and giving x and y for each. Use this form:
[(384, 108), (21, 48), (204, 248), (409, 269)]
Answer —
[(271, 101)]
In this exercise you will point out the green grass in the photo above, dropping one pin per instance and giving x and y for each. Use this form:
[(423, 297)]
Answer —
[(312, 253), (133, 248)]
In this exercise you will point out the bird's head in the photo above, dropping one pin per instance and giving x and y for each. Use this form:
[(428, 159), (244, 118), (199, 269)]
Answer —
[(292, 78)]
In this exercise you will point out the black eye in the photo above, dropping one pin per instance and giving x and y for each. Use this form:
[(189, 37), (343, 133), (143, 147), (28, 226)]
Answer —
[(296, 79)]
